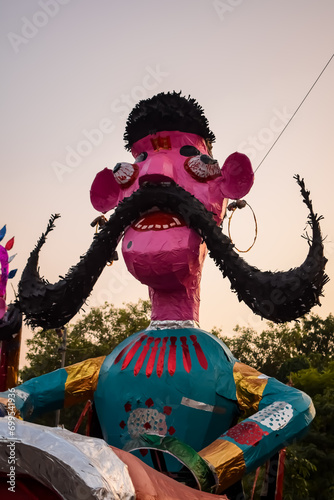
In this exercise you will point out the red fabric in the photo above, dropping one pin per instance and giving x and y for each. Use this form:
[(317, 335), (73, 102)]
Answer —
[(172, 356), (249, 433), (87, 407), (255, 481), (151, 359), (186, 355), (133, 351), (161, 358), (123, 351), (141, 359), (280, 475), (10, 243), (199, 352), (26, 488)]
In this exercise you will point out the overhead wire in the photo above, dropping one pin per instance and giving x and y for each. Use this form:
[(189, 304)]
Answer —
[(294, 114)]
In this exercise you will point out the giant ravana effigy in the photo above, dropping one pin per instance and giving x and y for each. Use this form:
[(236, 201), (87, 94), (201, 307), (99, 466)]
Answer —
[(172, 394)]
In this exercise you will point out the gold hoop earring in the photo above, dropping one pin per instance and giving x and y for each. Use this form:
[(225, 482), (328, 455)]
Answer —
[(232, 207)]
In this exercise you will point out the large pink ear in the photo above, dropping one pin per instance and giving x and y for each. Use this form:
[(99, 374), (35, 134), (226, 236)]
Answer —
[(104, 193), (237, 176)]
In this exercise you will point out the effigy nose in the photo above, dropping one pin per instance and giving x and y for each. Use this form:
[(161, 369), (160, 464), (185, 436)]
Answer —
[(159, 168)]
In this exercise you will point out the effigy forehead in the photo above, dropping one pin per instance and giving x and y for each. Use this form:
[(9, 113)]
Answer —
[(164, 141)]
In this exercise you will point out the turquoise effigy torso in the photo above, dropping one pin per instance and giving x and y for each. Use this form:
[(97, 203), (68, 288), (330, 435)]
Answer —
[(167, 382)]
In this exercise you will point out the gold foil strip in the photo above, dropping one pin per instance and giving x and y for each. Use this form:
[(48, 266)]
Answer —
[(10, 407), (228, 461), (250, 385), (82, 380)]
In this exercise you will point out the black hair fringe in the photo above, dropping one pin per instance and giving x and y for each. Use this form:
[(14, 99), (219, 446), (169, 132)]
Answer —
[(166, 111)]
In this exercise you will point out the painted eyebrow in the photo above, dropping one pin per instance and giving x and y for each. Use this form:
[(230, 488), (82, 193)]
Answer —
[(189, 151), (143, 154)]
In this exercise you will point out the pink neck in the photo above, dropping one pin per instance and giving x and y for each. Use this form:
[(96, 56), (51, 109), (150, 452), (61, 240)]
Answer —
[(179, 304)]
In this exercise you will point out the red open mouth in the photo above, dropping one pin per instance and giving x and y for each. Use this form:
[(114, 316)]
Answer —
[(158, 221)]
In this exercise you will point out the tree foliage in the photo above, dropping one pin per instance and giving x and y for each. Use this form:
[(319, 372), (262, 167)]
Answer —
[(281, 349), (302, 354), (96, 334), (318, 445)]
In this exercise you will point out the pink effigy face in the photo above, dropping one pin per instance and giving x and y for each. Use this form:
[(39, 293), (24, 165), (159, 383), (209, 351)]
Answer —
[(159, 249)]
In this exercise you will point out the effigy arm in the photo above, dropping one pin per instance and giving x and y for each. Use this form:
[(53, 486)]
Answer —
[(53, 391), (276, 414)]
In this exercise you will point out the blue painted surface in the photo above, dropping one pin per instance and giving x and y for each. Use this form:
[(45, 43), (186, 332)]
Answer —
[(120, 394), (193, 396)]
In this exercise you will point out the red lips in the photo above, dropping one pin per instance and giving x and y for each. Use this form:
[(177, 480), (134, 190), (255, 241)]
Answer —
[(158, 221)]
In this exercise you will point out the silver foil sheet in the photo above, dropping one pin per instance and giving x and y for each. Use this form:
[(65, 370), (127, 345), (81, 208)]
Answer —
[(172, 324), (76, 467)]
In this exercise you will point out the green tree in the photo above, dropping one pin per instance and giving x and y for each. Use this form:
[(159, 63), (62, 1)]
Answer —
[(281, 349), (318, 445), (300, 352), (96, 334), (265, 351)]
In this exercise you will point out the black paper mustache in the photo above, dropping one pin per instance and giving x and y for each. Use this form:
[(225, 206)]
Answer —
[(276, 296)]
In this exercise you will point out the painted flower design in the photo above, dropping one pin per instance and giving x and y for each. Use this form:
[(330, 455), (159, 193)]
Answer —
[(146, 421)]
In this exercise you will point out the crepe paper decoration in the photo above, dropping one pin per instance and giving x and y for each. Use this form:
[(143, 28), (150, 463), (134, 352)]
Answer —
[(129, 405), (12, 258), (4, 271), (5, 275), (150, 347), (3, 307), (167, 111), (174, 380), (11, 323), (202, 473), (58, 303), (248, 433), (9, 244), (3, 232), (10, 352), (10, 317), (12, 273)]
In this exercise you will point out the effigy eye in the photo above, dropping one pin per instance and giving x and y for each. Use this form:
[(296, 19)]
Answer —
[(125, 174), (202, 168)]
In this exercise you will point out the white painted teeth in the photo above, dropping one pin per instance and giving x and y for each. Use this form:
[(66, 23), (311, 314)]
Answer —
[(141, 224)]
